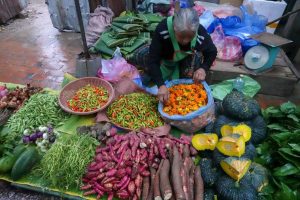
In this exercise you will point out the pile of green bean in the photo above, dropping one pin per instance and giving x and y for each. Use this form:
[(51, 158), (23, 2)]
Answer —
[(40, 109), (135, 111)]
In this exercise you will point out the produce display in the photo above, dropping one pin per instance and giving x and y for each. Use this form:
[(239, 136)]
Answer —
[(88, 98), (245, 154), (185, 98), (65, 162), (134, 111), (143, 166)]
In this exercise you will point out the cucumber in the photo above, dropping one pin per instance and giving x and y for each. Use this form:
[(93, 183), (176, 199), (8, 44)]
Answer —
[(7, 162), (25, 163)]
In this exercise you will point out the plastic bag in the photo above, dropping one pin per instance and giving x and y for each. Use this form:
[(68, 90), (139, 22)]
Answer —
[(196, 120), (206, 19), (220, 90), (249, 25), (229, 47), (117, 68)]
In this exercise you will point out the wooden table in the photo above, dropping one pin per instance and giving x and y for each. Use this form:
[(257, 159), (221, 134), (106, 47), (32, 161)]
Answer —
[(280, 80)]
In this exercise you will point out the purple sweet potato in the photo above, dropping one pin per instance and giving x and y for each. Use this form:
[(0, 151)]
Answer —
[(175, 174), (131, 188), (146, 187), (156, 186), (164, 181), (152, 178), (198, 185)]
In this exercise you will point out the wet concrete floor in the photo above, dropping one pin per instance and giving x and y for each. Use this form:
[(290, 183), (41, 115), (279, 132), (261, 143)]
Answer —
[(32, 50)]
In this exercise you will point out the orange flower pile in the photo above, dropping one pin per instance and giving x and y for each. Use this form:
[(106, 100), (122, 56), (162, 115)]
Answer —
[(185, 98)]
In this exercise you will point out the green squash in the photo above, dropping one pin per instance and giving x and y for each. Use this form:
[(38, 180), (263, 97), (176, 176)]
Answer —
[(233, 145), (209, 194), (205, 141), (257, 175), (209, 128), (250, 153), (240, 107), (206, 154), (219, 108), (259, 129), (220, 122), (236, 168), (229, 189), (209, 173)]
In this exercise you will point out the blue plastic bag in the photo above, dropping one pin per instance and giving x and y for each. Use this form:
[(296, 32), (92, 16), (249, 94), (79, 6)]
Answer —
[(249, 25), (193, 121)]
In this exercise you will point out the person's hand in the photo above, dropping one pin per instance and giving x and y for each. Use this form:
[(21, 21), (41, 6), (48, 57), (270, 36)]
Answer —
[(199, 75), (163, 94)]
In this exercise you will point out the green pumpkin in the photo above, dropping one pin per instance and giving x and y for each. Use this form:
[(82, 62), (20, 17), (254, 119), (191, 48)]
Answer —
[(206, 154), (209, 128), (229, 189), (209, 194), (209, 173), (220, 122), (240, 107), (250, 153), (257, 175), (259, 129), (219, 108)]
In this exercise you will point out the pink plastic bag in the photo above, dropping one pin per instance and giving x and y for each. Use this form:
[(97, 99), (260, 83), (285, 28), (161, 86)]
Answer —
[(117, 68), (229, 47)]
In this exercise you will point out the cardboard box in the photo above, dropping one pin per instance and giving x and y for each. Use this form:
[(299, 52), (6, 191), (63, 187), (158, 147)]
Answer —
[(271, 9), (236, 3)]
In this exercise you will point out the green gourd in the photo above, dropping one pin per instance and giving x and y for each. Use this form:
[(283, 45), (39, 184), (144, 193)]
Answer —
[(229, 189), (240, 107), (257, 175)]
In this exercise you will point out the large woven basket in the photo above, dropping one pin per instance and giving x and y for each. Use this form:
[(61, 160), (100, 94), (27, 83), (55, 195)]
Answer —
[(70, 89)]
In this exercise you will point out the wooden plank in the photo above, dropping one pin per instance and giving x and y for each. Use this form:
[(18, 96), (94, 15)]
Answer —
[(269, 85), (280, 80), (290, 64)]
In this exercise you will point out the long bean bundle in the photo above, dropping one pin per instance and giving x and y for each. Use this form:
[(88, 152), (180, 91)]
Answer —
[(66, 161), (135, 110)]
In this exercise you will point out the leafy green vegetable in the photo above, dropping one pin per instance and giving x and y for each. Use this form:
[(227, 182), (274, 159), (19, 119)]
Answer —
[(280, 152), (66, 161), (285, 170)]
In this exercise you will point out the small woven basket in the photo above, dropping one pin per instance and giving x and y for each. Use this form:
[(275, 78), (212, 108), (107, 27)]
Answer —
[(70, 89)]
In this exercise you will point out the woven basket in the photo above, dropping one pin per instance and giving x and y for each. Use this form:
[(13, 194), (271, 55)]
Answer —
[(70, 89)]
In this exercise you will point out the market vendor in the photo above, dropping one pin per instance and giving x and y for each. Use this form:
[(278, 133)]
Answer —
[(180, 48)]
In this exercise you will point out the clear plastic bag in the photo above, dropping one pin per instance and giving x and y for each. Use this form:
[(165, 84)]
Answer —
[(206, 19), (196, 120), (117, 68), (229, 47)]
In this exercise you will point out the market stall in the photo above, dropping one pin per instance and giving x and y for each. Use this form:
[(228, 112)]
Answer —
[(108, 137)]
